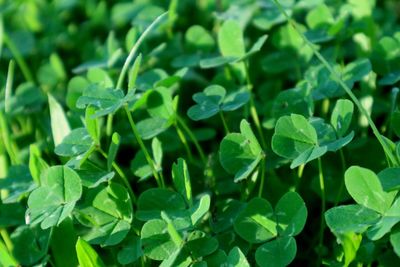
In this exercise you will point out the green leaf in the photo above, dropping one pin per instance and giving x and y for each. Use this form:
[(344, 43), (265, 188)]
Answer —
[(17, 183), (198, 38), (350, 243), (291, 214), (214, 99), (36, 163), (156, 242), (156, 148), (230, 39), (113, 150), (256, 223), (342, 115), (341, 219), (130, 251), (236, 258), (100, 77), (240, 154), (12, 214), (364, 187), (181, 180), (61, 188), (395, 241), (106, 100), (385, 224), (200, 209), (390, 179), (87, 256), (159, 103), (30, 244), (296, 100), (62, 243), (208, 103), (107, 224), (77, 142), (295, 138), (277, 253), (151, 127), (133, 73), (92, 124), (225, 214), (153, 201), (76, 86), (59, 123), (201, 246), (173, 233)]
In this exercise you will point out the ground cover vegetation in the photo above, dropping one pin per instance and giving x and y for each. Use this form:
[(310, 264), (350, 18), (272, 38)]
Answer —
[(199, 133)]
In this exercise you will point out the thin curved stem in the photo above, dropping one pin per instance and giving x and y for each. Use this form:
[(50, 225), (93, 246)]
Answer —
[(149, 160), (193, 138), (184, 141), (19, 58), (221, 115), (134, 49), (338, 79), (262, 180)]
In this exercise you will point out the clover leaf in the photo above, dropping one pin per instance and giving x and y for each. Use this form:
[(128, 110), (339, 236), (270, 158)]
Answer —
[(240, 153), (61, 188), (213, 100)]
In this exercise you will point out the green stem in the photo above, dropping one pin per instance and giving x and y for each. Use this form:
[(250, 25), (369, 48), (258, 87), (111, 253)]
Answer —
[(221, 115), (7, 240), (159, 180), (262, 181), (338, 79), (122, 175), (193, 138), (343, 163), (253, 110), (134, 49), (9, 144), (323, 207), (128, 61), (184, 141), (109, 126), (9, 84), (19, 58)]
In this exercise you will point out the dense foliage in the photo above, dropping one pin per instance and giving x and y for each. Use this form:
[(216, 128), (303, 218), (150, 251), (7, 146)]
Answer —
[(199, 133)]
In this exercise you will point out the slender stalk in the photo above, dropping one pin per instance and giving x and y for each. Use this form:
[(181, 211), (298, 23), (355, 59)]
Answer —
[(256, 119), (323, 206), (149, 160), (19, 58), (9, 84), (337, 77), (221, 115), (253, 110), (127, 63), (122, 175), (262, 181), (134, 49), (109, 125), (7, 240), (9, 144), (184, 141), (193, 138), (343, 163)]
